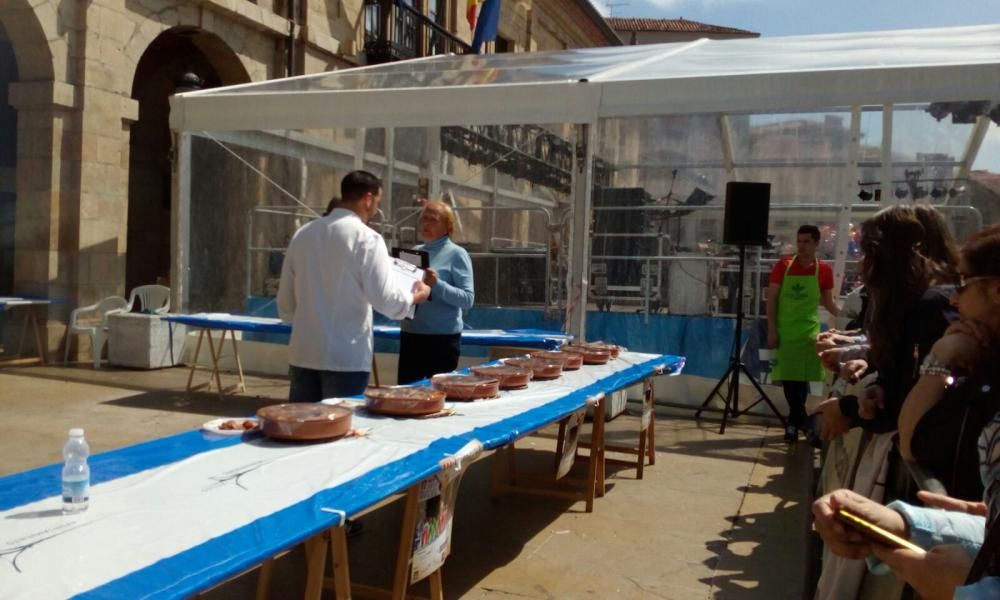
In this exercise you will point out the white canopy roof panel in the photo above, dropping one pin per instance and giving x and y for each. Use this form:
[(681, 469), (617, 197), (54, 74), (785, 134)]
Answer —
[(579, 86)]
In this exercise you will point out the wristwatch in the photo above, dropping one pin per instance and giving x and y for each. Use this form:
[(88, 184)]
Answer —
[(933, 365)]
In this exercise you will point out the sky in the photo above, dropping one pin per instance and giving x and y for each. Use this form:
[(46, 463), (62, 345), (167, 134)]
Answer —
[(773, 18), (795, 17)]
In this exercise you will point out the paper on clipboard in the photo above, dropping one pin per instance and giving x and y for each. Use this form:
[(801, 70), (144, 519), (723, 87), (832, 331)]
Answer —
[(421, 258), (405, 275)]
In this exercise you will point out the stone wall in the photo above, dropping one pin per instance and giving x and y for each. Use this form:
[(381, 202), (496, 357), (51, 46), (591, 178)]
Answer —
[(74, 98)]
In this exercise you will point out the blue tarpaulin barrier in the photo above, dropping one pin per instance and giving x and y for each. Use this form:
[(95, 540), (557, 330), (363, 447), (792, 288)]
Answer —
[(704, 341)]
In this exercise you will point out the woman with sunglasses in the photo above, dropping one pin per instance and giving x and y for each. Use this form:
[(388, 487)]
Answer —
[(962, 365)]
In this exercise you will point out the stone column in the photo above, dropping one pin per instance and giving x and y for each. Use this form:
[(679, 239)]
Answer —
[(103, 193), (47, 185), (107, 110)]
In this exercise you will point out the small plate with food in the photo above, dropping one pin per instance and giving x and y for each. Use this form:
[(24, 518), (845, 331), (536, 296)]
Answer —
[(231, 426)]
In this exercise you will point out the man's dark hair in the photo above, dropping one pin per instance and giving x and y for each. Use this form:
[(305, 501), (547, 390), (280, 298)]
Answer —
[(356, 184), (811, 230)]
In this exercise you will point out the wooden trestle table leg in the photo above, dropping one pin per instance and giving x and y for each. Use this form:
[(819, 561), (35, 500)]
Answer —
[(194, 361)]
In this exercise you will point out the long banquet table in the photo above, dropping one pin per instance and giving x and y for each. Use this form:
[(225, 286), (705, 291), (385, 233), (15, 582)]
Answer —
[(228, 324), (524, 338), (176, 515)]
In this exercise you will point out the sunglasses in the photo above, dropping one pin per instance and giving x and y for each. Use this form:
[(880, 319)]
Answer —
[(964, 282)]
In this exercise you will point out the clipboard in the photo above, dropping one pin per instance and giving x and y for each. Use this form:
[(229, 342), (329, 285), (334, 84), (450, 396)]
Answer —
[(405, 275), (417, 258)]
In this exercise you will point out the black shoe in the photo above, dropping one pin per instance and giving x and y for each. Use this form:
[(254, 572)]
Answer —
[(813, 439), (354, 528), (791, 433)]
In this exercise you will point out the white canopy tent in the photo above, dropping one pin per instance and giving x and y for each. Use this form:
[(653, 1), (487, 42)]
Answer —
[(841, 73), (580, 86)]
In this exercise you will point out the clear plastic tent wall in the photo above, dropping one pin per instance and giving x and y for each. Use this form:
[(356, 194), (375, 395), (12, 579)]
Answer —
[(250, 192), (590, 183)]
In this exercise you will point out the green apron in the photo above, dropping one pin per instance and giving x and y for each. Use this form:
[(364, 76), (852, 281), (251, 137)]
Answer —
[(798, 326)]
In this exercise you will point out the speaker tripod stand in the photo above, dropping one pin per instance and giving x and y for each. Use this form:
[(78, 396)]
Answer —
[(731, 401)]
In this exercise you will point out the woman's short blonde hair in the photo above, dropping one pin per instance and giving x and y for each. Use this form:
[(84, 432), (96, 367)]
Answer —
[(444, 210)]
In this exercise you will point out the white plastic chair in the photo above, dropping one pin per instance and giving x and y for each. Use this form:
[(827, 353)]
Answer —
[(97, 330), (154, 298)]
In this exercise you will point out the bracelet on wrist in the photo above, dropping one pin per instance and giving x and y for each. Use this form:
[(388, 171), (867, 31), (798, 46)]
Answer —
[(938, 371), (933, 365)]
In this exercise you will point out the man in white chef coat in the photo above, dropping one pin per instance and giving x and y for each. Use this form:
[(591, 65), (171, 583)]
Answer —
[(336, 270)]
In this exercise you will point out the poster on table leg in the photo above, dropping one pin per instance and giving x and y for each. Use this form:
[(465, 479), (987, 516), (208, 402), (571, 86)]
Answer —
[(647, 405), (574, 423), (435, 510)]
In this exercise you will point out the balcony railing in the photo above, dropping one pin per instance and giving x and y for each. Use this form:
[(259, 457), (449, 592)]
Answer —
[(395, 31), (527, 152)]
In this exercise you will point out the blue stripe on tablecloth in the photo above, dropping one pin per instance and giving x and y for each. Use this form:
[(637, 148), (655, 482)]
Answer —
[(506, 431), (44, 482), (188, 572)]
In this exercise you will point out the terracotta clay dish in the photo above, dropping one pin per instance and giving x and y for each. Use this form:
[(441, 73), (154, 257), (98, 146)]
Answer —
[(466, 387), (613, 348), (541, 368), (591, 355), (571, 360), (404, 401), (305, 421), (599, 345), (510, 378)]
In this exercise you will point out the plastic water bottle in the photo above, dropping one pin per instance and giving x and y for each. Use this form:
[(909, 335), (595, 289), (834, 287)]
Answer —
[(75, 473)]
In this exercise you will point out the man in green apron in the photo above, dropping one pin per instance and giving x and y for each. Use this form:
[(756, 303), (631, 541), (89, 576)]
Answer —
[(798, 285)]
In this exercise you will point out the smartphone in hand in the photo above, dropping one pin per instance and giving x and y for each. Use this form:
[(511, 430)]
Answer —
[(875, 533)]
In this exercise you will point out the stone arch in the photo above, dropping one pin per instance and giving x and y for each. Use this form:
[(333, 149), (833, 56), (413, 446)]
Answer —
[(29, 30), (217, 46), (158, 72)]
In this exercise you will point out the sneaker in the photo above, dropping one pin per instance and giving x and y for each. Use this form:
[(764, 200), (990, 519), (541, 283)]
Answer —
[(791, 433), (813, 439)]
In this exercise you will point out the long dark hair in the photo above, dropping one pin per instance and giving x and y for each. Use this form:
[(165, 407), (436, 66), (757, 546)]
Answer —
[(938, 245), (895, 273), (981, 253)]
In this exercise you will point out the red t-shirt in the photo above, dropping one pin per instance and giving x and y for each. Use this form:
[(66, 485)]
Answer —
[(825, 272)]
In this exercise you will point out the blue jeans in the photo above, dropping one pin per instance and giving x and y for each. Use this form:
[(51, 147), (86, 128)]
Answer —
[(310, 385)]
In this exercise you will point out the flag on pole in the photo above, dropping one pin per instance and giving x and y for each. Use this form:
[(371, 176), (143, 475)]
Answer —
[(470, 12), (486, 27)]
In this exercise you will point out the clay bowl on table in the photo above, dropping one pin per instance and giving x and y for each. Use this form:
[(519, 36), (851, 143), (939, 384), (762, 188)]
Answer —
[(599, 345), (541, 368), (613, 348), (466, 387), (571, 360), (404, 401), (305, 421), (510, 378), (591, 355)]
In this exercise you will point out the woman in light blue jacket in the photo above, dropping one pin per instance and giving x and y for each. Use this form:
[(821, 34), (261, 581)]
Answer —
[(430, 343)]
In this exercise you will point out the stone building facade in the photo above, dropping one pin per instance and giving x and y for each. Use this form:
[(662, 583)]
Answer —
[(85, 149)]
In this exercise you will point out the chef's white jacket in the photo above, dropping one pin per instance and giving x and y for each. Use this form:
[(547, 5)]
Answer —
[(335, 271)]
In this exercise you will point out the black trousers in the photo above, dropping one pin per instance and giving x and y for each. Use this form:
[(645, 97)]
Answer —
[(422, 355), (795, 394)]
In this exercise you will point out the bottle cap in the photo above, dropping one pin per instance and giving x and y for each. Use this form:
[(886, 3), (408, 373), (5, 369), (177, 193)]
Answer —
[(76, 432)]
